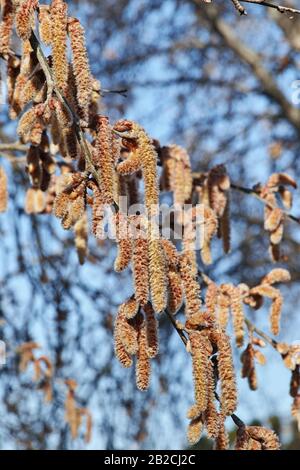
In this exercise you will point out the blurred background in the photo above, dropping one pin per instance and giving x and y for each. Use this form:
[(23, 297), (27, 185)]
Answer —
[(223, 86)]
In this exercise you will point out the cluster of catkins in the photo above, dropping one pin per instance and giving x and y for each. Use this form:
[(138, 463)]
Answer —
[(77, 160), (43, 368), (276, 188), (43, 376)]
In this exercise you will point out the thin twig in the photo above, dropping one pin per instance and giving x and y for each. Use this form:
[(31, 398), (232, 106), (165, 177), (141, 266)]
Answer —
[(254, 193), (279, 8), (13, 147), (261, 333), (239, 8)]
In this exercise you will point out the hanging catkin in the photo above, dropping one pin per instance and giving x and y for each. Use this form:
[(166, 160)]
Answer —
[(211, 416), (103, 158), (191, 288), (124, 243), (58, 11), (25, 18), (226, 373), (195, 430), (45, 26), (140, 264), (81, 237), (152, 331), (80, 63), (127, 331), (222, 440), (6, 25), (121, 354), (175, 291), (3, 190), (198, 342), (143, 365), (267, 438)]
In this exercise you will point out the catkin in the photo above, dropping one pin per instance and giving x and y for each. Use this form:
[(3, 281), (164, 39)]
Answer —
[(198, 342), (34, 201), (25, 18), (226, 373), (222, 440), (267, 438), (123, 242), (45, 26), (143, 365), (80, 63), (127, 331), (191, 288), (211, 299), (58, 12), (175, 291), (131, 308), (103, 158), (3, 190), (237, 314), (140, 264), (121, 354), (152, 331), (81, 237), (6, 25), (195, 430), (211, 416), (276, 275), (157, 275)]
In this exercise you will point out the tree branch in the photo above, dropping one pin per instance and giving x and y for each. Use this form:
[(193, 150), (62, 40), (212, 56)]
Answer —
[(279, 8)]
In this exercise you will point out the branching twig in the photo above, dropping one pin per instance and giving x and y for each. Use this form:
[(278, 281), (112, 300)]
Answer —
[(35, 44), (279, 8), (254, 193)]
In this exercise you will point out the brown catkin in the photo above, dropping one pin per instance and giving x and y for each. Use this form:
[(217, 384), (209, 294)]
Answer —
[(6, 25), (3, 190), (191, 288), (34, 201), (198, 342), (81, 237), (152, 331), (80, 63), (127, 331), (103, 158), (171, 254), (267, 438), (131, 308), (211, 299), (140, 262), (175, 291), (223, 308), (157, 274), (45, 25), (121, 354), (58, 12), (194, 431), (34, 168), (211, 415), (242, 439), (25, 18), (124, 243), (248, 369), (276, 275), (275, 314), (222, 440), (237, 315), (226, 373), (143, 365)]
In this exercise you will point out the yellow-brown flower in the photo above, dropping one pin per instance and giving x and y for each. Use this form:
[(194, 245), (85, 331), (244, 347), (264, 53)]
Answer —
[(80, 63), (59, 17)]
